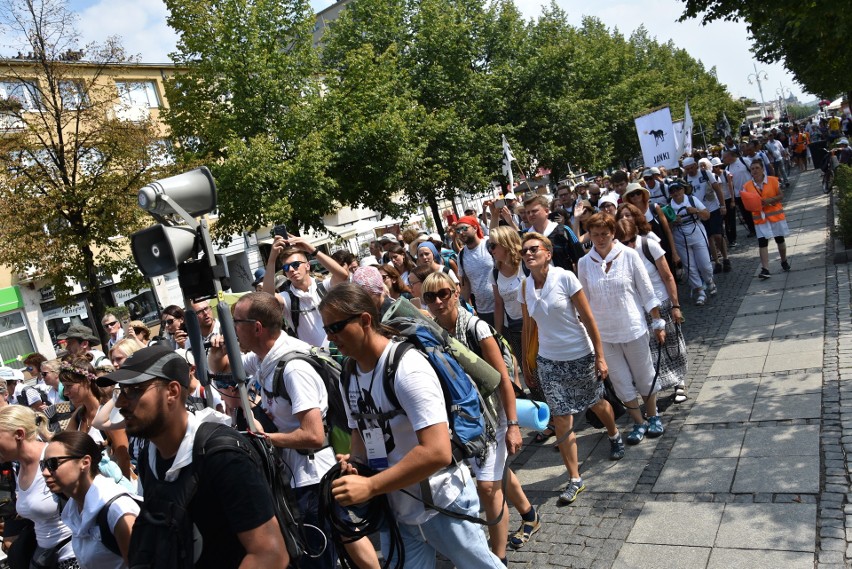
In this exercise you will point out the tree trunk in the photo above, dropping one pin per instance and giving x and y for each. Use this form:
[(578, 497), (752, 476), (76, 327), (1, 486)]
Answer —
[(433, 205), (95, 299)]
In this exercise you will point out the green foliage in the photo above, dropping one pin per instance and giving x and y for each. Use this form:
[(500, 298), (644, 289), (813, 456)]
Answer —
[(809, 38), (843, 181)]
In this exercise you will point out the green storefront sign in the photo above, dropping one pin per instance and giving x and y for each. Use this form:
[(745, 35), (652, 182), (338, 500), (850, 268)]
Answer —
[(10, 299)]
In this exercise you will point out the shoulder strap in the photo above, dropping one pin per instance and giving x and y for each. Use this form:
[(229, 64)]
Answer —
[(394, 357), (294, 307), (646, 250), (322, 290), (461, 259), (107, 536), (470, 333), (445, 269), (743, 161)]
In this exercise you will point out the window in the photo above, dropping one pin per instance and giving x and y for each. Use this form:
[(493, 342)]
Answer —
[(138, 94), (72, 94), (14, 339), (25, 92)]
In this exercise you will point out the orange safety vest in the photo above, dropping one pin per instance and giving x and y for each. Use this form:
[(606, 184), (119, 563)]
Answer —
[(800, 141), (771, 189)]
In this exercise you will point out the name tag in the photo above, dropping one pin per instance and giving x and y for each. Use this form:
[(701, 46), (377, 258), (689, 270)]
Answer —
[(377, 454)]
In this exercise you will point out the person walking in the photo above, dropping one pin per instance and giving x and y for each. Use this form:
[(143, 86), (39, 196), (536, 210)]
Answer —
[(769, 221), (691, 241)]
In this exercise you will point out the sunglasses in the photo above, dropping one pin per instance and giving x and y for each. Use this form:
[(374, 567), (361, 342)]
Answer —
[(531, 250), (204, 310), (294, 265), (629, 241), (462, 228), (224, 381), (168, 322), (134, 392), (337, 327), (491, 245), (111, 324), (443, 294), (44, 373), (53, 463)]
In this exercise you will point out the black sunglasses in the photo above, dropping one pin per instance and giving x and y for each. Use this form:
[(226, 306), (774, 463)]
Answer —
[(337, 327), (134, 392), (430, 297), (224, 381), (629, 241), (492, 245), (168, 322), (531, 250), (53, 463), (111, 324), (294, 265)]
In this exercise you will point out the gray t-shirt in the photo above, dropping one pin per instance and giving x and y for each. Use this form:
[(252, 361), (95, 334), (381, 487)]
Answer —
[(476, 264)]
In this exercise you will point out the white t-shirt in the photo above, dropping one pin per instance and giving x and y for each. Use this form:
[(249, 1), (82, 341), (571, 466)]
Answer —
[(658, 195), (39, 504), (307, 391), (702, 189), (618, 297), (776, 149), (656, 252), (310, 321), (561, 335), (476, 264), (687, 219), (509, 288), (419, 393), (199, 392), (740, 173), (87, 541)]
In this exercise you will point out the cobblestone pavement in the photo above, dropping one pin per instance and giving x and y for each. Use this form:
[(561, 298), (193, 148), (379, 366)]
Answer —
[(751, 471)]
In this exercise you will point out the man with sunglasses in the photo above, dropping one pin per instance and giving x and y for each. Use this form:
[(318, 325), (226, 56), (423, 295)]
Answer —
[(112, 325), (231, 507), (302, 293), (475, 266), (209, 325), (80, 340)]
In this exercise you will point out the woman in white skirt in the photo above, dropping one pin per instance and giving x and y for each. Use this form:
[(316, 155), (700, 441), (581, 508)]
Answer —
[(769, 221)]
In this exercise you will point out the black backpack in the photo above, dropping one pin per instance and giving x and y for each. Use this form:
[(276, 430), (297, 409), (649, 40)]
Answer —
[(163, 532), (107, 537), (295, 310), (338, 435)]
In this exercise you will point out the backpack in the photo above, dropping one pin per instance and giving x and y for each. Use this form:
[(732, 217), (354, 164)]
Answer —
[(646, 250), (449, 255), (466, 410), (163, 534), (338, 435), (502, 343), (107, 537), (294, 307), (567, 250)]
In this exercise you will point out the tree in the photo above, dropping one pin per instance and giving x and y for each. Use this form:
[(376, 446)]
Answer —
[(70, 167), (809, 38), (247, 106)]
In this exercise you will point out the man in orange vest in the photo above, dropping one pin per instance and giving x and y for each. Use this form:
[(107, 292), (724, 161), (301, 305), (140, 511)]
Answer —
[(799, 145), (769, 220)]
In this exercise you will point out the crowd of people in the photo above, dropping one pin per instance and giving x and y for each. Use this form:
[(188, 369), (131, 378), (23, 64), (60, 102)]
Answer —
[(582, 289)]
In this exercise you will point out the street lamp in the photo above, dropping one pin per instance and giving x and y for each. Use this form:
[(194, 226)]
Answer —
[(756, 78), (783, 93)]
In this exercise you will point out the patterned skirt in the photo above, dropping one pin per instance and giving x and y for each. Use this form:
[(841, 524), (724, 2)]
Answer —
[(570, 387), (673, 360)]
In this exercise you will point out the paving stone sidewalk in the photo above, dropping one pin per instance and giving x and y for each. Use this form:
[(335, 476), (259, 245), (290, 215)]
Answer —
[(751, 471)]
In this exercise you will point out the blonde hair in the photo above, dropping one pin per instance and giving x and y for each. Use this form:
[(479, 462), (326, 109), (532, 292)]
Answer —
[(532, 236), (127, 346), (437, 281), (509, 240), (33, 423)]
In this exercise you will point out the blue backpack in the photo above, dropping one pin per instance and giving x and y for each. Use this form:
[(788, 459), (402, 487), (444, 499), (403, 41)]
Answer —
[(466, 411)]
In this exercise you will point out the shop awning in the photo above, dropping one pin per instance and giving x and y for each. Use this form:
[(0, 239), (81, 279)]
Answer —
[(10, 299)]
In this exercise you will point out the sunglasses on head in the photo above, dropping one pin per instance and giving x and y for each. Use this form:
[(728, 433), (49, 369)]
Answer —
[(337, 327), (443, 294), (294, 265), (531, 250), (52, 464)]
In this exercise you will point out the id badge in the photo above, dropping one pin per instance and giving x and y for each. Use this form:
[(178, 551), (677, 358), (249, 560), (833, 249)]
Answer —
[(374, 442)]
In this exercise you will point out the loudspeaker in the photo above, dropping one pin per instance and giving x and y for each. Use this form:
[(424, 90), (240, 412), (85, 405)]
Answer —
[(194, 191), (159, 249)]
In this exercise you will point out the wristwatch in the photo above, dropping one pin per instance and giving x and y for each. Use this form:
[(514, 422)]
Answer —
[(513, 423)]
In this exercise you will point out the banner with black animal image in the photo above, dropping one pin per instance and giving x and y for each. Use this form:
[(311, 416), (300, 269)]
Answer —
[(657, 138)]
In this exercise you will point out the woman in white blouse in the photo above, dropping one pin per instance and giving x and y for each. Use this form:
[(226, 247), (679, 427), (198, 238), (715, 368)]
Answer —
[(70, 466), (673, 363), (617, 285), (571, 364)]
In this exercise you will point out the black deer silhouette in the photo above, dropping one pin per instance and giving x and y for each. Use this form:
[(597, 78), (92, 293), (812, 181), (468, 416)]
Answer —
[(659, 136)]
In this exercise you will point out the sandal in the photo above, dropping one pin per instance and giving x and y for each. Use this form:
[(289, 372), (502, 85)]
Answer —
[(524, 533), (680, 394), (545, 435)]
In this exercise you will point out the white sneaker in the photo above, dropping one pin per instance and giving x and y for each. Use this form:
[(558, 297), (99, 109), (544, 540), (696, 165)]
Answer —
[(711, 288)]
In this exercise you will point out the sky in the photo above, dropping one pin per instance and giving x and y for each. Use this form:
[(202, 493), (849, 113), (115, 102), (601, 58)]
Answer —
[(725, 45)]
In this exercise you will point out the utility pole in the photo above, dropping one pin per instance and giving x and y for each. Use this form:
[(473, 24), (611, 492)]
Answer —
[(756, 76)]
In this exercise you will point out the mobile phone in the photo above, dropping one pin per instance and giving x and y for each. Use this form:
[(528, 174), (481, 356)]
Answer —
[(500, 204), (280, 230)]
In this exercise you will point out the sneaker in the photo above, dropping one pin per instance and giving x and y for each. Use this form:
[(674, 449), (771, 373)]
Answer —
[(726, 265), (616, 448), (717, 268), (680, 393), (733, 245), (525, 532), (655, 427), (764, 274), (785, 265), (637, 434), (702, 298), (570, 493), (711, 288)]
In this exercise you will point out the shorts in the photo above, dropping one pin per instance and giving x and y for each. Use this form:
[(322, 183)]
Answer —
[(713, 224), (772, 229), (490, 469)]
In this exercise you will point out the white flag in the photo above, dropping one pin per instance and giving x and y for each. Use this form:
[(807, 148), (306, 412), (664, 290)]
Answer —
[(677, 126), (657, 138), (686, 135), (507, 162), (727, 125)]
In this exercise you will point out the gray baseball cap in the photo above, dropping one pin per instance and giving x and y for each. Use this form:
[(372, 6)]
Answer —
[(154, 362)]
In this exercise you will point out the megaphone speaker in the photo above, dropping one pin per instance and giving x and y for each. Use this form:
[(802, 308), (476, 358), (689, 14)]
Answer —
[(194, 191), (159, 249)]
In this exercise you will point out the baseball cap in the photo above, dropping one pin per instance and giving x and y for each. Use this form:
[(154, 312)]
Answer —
[(688, 161), (153, 362), (609, 198), (647, 173), (388, 238), (258, 276), (843, 141), (10, 374), (510, 196), (716, 161)]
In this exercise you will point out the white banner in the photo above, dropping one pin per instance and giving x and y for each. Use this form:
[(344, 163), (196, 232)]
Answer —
[(657, 139), (685, 146)]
